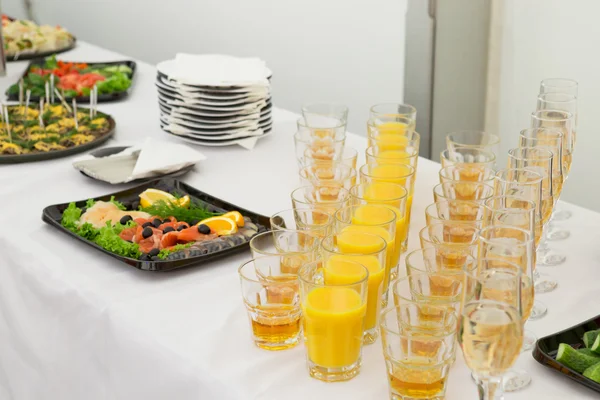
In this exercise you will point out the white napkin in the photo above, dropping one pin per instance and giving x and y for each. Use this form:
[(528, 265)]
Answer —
[(219, 70), (153, 158)]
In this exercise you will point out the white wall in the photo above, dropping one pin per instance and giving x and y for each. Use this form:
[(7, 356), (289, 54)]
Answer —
[(350, 51), (553, 38)]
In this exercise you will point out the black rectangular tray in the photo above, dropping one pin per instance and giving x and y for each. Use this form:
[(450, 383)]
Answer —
[(546, 348), (53, 215), (82, 99)]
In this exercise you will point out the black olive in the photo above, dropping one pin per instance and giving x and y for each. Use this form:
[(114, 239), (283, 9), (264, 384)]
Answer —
[(203, 229), (125, 219), (153, 252), (181, 227), (144, 257), (166, 220), (195, 222), (155, 258), (135, 205), (168, 229), (156, 222), (147, 232), (146, 224)]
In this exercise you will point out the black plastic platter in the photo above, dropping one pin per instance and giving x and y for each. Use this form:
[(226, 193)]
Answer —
[(41, 156), (546, 348), (53, 215), (38, 61)]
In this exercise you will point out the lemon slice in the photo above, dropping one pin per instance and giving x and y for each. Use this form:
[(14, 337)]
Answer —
[(236, 217), (220, 225), (184, 201)]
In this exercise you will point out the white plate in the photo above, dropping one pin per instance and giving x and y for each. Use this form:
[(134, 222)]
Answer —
[(210, 95), (216, 144), (209, 102), (167, 67), (174, 117), (191, 129), (245, 119), (248, 108), (181, 131)]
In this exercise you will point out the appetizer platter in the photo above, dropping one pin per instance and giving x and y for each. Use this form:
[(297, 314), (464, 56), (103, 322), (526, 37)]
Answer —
[(24, 40), (31, 133), (75, 79), (161, 225), (574, 352)]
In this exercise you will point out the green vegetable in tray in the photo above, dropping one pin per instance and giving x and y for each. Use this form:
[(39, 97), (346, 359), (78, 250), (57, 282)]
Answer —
[(589, 337), (589, 352), (165, 252), (163, 209), (108, 238), (573, 359), (593, 372)]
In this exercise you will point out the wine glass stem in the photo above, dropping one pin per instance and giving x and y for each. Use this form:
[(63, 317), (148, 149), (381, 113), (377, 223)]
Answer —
[(490, 388)]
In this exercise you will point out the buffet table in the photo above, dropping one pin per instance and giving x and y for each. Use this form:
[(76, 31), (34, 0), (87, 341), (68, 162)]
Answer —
[(76, 324)]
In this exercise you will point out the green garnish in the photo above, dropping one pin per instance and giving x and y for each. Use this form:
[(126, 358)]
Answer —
[(70, 217), (165, 252), (165, 209)]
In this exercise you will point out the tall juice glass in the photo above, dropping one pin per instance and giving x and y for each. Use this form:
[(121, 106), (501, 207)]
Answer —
[(334, 305), (408, 156), (368, 250), (390, 195)]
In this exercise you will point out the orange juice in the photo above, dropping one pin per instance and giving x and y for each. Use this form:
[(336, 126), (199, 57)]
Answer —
[(379, 194), (389, 141), (333, 326), (374, 285), (396, 157), (393, 127)]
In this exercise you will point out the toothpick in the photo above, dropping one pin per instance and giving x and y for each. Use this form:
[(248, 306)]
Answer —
[(21, 91), (27, 98), (62, 100), (7, 124), (47, 92), (95, 107), (40, 115), (75, 113), (52, 87)]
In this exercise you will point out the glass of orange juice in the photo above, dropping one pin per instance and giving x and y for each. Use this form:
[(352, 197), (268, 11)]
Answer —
[(377, 219), (310, 219), (377, 155), (417, 362), (456, 210), (369, 250), (272, 303), (453, 241), (334, 305), (390, 195), (400, 174), (391, 110), (333, 173), (326, 198), (296, 247), (460, 172), (392, 140), (462, 190)]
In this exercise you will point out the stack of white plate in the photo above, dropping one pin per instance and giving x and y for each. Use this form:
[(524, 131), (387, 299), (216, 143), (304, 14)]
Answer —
[(214, 100)]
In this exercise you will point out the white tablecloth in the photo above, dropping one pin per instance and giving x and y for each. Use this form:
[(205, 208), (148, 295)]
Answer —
[(76, 324)]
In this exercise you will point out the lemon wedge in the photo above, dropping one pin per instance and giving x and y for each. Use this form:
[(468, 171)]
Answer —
[(151, 196), (236, 217), (220, 225)]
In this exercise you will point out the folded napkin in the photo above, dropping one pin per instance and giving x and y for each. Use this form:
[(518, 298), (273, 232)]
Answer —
[(153, 158), (219, 70)]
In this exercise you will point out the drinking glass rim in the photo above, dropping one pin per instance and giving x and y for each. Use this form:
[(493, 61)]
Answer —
[(464, 223), (316, 263), (456, 150), (341, 164), (570, 97), (304, 209), (532, 205), (446, 272), (392, 221), (342, 106), (432, 336), (497, 304), (367, 153), (299, 138), (569, 116), (496, 138), (252, 261), (374, 253), (314, 247), (413, 109), (457, 165), (457, 298), (554, 131), (545, 82), (538, 177), (470, 202), (389, 199), (523, 242), (441, 184), (308, 187), (516, 267), (547, 156), (367, 165)]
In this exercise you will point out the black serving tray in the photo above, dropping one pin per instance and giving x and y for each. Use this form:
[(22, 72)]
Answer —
[(23, 158), (546, 348), (39, 61), (53, 215)]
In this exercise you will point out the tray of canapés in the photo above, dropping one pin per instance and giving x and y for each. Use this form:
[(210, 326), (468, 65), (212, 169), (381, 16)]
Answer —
[(161, 225), (46, 131), (574, 352)]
